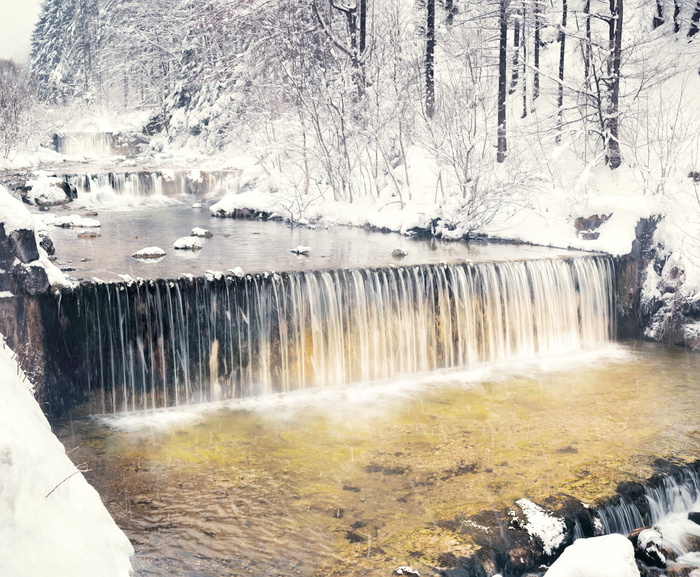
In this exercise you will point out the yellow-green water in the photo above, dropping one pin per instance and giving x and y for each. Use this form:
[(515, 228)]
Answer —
[(358, 481)]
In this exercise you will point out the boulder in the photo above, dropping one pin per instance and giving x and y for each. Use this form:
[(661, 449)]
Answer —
[(46, 242), (649, 547), (606, 556), (24, 246), (30, 279), (694, 516)]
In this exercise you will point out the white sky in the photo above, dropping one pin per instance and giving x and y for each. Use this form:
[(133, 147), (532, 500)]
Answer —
[(16, 24)]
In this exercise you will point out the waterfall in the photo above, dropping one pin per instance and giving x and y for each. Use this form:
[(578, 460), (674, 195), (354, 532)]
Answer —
[(147, 344), (85, 144), (673, 494), (140, 184)]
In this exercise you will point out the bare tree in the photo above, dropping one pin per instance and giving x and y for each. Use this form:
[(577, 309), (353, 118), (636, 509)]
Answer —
[(502, 146), (612, 116), (562, 56), (17, 105), (430, 60)]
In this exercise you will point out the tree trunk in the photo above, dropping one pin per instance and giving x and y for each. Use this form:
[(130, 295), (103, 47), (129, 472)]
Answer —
[(430, 61), (587, 48), (524, 44), (536, 55), (659, 16), (516, 54), (451, 10), (693, 30), (562, 56), (613, 156), (502, 146), (363, 27)]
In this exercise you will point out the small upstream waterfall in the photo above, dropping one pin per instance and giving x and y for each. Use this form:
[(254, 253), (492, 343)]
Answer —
[(140, 184), (147, 344), (86, 144)]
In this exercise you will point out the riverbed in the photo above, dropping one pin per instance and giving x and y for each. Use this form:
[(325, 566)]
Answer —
[(358, 480)]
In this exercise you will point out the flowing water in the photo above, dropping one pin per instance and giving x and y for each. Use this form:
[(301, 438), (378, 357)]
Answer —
[(359, 479), (151, 344)]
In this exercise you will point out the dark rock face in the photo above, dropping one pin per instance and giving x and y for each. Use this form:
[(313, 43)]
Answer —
[(31, 280), (23, 243), (46, 243)]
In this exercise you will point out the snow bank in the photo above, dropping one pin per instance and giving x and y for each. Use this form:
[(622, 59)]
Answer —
[(606, 556), (13, 213), (52, 521)]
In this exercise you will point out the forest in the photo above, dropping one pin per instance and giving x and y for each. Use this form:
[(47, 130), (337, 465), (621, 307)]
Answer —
[(461, 109)]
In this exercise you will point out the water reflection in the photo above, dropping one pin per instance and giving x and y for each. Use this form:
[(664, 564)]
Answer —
[(254, 246), (358, 481)]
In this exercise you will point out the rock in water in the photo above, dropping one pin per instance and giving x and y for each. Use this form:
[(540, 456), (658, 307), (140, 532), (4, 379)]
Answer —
[(149, 252), (606, 556), (405, 570), (201, 232), (305, 250), (188, 243), (398, 253)]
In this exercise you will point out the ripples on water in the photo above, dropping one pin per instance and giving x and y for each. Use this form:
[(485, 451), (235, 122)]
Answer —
[(359, 480)]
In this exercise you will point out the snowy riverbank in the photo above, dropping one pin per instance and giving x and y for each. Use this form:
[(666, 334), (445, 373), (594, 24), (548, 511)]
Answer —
[(52, 521)]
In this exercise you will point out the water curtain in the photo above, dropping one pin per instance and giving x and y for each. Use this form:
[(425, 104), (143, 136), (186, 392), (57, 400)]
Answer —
[(148, 344)]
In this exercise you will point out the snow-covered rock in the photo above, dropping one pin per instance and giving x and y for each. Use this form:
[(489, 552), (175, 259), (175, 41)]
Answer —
[(52, 522), (188, 243), (606, 556), (71, 220), (550, 529), (201, 232), (50, 191), (149, 252)]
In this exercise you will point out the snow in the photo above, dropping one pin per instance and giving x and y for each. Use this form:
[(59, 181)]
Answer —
[(53, 521), (606, 556), (46, 190), (549, 529), (13, 214), (70, 221)]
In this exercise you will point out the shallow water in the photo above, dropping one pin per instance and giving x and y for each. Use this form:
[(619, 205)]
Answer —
[(359, 480), (253, 245)]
